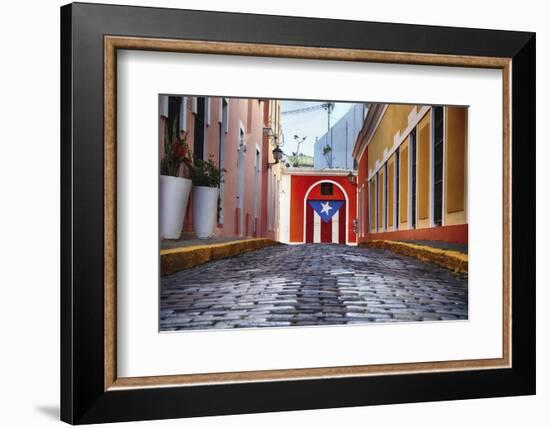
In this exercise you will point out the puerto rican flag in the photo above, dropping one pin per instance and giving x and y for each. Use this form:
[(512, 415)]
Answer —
[(326, 221)]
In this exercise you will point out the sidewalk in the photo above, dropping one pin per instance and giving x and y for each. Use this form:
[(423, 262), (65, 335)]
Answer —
[(168, 244), (178, 255), (449, 255), (461, 248)]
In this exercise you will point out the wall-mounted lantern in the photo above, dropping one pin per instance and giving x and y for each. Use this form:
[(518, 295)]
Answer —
[(351, 178), (277, 156)]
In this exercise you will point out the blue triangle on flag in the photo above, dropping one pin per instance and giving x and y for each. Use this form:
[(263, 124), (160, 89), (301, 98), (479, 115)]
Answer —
[(326, 209)]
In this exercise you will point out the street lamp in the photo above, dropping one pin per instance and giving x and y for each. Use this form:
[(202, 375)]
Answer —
[(351, 178), (276, 152), (277, 156)]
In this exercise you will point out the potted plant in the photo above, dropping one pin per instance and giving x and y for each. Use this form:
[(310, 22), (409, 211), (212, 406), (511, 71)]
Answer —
[(206, 177), (174, 189)]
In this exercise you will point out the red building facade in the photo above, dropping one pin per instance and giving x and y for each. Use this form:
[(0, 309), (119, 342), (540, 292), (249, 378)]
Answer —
[(313, 191)]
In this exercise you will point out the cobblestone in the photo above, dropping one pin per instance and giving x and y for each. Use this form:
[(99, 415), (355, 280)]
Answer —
[(314, 284)]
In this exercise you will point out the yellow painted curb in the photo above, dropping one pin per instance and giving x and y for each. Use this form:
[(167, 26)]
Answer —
[(174, 259), (450, 259)]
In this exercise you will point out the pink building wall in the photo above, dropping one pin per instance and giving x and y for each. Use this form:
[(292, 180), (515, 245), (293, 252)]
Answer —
[(250, 115)]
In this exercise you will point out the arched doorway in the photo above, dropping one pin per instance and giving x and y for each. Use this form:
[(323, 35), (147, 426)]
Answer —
[(326, 213)]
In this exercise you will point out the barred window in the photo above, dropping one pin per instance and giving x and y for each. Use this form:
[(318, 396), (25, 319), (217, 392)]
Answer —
[(327, 189)]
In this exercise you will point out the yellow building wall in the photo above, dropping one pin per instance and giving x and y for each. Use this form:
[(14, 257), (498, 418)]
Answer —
[(381, 200), (456, 158), (395, 119), (423, 171), (391, 175), (455, 168), (404, 184)]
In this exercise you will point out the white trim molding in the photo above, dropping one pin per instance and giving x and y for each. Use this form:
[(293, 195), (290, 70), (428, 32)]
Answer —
[(207, 114), (220, 113), (227, 115), (398, 141), (163, 105), (241, 144), (183, 114)]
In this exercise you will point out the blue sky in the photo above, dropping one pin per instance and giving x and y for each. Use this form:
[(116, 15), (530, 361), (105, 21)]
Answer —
[(309, 124)]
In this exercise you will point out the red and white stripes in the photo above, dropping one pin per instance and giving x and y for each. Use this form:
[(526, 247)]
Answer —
[(333, 231)]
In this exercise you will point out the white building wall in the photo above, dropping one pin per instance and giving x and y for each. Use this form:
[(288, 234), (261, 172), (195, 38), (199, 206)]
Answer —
[(343, 135), (284, 209)]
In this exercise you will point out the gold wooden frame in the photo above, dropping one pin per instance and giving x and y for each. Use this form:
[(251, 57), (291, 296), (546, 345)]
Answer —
[(112, 43)]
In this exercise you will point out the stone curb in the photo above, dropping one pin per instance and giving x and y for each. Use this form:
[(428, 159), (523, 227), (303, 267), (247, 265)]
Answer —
[(174, 259), (453, 260)]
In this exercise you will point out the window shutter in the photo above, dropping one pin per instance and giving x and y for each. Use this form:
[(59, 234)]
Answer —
[(183, 114), (163, 105), (207, 105), (227, 117)]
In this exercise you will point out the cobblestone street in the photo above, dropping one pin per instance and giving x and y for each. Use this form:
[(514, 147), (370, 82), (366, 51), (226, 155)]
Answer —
[(314, 284)]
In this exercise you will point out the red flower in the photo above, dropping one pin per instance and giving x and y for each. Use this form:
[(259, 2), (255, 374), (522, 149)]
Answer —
[(179, 150)]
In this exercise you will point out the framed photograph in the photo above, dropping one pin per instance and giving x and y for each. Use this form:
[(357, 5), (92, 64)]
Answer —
[(267, 213)]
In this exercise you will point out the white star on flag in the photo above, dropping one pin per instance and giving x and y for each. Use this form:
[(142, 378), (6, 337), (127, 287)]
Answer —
[(326, 208)]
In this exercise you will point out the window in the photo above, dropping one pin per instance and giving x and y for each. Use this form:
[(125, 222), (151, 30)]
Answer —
[(198, 141), (438, 165), (183, 114), (327, 189), (207, 109), (372, 204), (163, 105), (363, 214), (377, 214), (390, 193), (173, 124), (221, 156), (385, 213), (397, 168), (225, 114), (413, 178), (257, 183)]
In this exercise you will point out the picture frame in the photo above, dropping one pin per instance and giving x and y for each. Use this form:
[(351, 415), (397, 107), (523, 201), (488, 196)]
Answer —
[(91, 392)]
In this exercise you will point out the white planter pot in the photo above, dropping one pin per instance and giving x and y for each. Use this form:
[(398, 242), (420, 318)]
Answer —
[(173, 198), (205, 210)]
